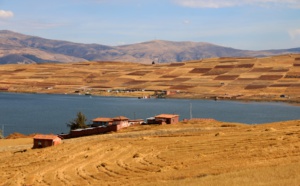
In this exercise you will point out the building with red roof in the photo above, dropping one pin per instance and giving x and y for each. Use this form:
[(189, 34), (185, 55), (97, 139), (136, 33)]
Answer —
[(102, 122), (42, 140), (122, 121), (167, 118)]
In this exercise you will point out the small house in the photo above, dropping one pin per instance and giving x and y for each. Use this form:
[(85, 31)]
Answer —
[(41, 140), (151, 120), (102, 122), (167, 119), (121, 121)]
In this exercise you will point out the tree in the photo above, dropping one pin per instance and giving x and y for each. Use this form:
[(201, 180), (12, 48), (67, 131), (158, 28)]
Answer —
[(1, 134), (78, 122)]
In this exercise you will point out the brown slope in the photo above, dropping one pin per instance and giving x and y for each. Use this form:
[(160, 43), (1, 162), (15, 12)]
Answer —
[(146, 52), (168, 51), (272, 78), (12, 43)]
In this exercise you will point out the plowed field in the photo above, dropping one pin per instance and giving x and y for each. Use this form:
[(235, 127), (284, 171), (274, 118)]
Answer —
[(230, 78)]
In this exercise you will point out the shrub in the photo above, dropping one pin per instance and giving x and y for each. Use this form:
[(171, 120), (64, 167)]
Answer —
[(78, 122)]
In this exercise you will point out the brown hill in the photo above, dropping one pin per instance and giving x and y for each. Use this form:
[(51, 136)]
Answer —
[(272, 78), (17, 135), (167, 51), (195, 153), (20, 48)]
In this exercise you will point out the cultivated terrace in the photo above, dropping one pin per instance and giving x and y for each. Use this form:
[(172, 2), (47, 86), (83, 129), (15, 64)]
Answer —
[(272, 78)]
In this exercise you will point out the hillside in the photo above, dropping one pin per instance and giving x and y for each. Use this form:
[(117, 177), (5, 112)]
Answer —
[(195, 153), (271, 78), (24, 49)]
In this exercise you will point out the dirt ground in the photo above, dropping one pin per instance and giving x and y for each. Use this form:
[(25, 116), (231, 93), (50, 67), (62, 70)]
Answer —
[(194, 153)]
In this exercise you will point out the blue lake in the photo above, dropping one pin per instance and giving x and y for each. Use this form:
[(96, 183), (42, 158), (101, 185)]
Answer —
[(42, 113)]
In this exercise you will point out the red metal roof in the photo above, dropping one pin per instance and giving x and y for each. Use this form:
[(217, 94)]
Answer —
[(44, 136), (120, 118), (166, 116), (103, 119)]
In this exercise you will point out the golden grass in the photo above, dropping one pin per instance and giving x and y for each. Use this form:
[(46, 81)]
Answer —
[(190, 153)]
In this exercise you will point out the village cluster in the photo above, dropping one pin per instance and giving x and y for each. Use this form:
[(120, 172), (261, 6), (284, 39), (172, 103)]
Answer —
[(150, 93), (102, 125)]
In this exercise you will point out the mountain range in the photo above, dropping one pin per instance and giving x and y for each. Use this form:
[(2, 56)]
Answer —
[(25, 49)]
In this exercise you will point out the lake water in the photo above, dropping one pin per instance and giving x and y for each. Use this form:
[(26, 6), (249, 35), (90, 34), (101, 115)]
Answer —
[(42, 113)]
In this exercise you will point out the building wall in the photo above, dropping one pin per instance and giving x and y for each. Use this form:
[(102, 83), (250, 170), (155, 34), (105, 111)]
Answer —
[(151, 121), (122, 123), (117, 125), (41, 143), (173, 120), (65, 136), (92, 131)]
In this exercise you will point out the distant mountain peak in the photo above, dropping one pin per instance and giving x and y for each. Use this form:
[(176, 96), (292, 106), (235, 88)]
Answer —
[(21, 48), (7, 32)]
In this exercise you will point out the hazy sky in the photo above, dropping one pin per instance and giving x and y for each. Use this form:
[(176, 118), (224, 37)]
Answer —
[(243, 24)]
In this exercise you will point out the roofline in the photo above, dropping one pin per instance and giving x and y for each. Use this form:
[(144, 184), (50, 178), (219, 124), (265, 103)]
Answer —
[(102, 119), (167, 116), (45, 137)]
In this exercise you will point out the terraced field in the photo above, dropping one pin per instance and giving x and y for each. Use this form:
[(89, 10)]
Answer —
[(195, 153), (272, 78)]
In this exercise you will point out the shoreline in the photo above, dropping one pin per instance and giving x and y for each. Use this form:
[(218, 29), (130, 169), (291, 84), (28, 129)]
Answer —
[(295, 104), (254, 98)]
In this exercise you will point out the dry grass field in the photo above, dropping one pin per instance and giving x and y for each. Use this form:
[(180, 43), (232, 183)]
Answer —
[(194, 153), (200, 152), (272, 78)]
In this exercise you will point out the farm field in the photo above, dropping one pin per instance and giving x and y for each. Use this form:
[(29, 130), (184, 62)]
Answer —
[(188, 153), (273, 78)]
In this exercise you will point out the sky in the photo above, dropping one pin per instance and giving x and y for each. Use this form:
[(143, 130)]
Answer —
[(241, 24)]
